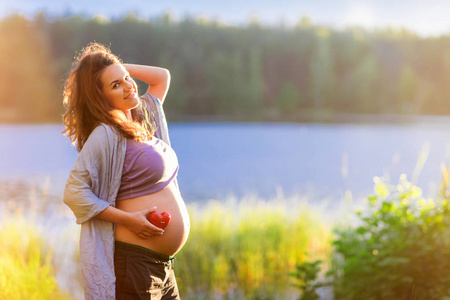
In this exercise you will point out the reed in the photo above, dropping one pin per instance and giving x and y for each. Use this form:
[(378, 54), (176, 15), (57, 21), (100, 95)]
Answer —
[(26, 270), (245, 249), (237, 249)]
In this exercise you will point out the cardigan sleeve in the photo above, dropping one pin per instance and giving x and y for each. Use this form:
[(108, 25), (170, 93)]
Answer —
[(80, 193)]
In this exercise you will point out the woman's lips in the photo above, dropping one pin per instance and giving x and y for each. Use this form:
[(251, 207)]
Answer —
[(131, 96)]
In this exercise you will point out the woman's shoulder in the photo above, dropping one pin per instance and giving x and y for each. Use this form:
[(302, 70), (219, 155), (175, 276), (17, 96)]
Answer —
[(150, 99), (101, 135), (103, 130)]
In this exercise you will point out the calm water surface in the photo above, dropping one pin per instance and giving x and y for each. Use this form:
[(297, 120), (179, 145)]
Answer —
[(222, 159)]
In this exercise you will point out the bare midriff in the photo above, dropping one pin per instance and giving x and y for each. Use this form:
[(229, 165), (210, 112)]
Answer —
[(175, 234)]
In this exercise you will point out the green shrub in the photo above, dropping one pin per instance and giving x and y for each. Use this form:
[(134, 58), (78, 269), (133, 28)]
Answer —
[(306, 276), (400, 248)]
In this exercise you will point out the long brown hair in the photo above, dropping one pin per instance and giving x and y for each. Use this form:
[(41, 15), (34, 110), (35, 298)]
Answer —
[(85, 103)]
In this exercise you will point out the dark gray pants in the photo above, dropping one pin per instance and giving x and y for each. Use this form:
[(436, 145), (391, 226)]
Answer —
[(143, 274)]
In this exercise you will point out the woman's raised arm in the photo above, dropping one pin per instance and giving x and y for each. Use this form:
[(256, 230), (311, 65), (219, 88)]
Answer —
[(158, 79)]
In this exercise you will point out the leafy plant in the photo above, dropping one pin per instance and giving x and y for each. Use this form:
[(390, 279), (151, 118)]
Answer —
[(306, 275), (400, 248)]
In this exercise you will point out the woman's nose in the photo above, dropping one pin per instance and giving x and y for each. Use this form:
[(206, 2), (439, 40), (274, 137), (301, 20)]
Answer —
[(129, 86)]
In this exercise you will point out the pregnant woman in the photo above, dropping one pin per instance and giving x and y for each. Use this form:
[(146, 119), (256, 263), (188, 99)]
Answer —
[(125, 170)]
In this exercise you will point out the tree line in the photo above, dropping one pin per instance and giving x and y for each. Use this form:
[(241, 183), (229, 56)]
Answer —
[(246, 73)]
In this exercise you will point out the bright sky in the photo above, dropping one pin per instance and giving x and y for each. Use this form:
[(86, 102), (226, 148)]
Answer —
[(428, 18)]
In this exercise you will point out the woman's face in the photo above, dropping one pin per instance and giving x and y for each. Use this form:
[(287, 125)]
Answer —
[(119, 88)]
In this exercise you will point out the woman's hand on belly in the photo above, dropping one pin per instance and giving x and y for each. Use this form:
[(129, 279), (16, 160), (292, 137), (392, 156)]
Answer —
[(175, 234), (135, 221), (141, 226)]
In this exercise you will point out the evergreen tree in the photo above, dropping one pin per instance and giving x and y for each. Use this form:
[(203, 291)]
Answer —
[(322, 71), (288, 98)]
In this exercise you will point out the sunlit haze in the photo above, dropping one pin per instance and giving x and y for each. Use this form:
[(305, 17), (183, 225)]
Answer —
[(427, 18)]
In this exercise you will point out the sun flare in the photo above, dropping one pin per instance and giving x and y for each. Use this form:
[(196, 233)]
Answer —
[(361, 15)]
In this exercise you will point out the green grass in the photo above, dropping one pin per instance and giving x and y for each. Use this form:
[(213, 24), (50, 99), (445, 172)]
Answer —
[(237, 249), (26, 270), (246, 249)]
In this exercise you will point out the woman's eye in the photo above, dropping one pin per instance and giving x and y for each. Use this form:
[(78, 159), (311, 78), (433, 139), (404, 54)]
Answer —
[(115, 85)]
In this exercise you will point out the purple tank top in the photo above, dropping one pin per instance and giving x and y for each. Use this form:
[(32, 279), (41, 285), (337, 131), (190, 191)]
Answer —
[(148, 168)]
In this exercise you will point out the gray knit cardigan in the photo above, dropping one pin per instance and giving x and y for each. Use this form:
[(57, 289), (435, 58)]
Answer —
[(92, 186)]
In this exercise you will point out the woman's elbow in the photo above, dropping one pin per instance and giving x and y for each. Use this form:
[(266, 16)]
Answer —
[(68, 198), (167, 76)]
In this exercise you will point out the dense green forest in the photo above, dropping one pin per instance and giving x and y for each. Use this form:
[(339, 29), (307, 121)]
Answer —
[(221, 72)]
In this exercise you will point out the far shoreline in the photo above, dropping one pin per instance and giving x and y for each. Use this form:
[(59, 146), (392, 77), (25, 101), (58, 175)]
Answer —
[(304, 118)]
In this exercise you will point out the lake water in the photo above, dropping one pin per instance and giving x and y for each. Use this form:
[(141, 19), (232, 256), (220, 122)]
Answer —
[(219, 160)]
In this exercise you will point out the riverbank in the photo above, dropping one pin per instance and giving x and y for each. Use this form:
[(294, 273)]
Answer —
[(312, 117), (304, 117), (240, 248)]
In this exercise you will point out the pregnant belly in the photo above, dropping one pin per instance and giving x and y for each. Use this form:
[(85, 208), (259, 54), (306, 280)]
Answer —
[(175, 234)]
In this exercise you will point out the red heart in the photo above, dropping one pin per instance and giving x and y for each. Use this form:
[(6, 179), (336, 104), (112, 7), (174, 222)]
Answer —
[(159, 220)]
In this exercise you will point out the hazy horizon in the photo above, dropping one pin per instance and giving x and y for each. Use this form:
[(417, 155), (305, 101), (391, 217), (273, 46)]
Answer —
[(425, 19)]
